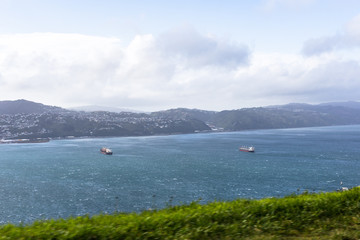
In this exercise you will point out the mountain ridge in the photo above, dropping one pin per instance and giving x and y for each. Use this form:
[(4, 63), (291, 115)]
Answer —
[(26, 119), (96, 108), (25, 106)]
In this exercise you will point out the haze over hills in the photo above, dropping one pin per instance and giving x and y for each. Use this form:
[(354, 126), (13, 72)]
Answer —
[(95, 108), (26, 119), (349, 104)]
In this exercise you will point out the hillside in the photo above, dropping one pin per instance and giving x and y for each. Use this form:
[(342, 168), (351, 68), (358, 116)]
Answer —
[(184, 113), (25, 119), (284, 116), (333, 215), (26, 107)]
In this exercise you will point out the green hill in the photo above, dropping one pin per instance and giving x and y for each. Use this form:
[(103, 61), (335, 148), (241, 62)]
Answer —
[(25, 119), (333, 215)]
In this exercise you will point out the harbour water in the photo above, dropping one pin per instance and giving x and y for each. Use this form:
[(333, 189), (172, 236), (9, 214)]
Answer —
[(64, 178)]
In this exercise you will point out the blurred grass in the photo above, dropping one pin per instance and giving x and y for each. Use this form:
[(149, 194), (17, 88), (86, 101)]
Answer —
[(334, 215)]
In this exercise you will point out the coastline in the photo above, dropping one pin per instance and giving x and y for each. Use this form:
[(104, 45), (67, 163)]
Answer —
[(48, 139), (24, 140)]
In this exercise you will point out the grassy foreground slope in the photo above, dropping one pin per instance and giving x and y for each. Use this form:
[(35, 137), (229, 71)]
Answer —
[(333, 215)]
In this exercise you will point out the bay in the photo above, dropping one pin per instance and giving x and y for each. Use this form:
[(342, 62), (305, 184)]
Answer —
[(64, 178)]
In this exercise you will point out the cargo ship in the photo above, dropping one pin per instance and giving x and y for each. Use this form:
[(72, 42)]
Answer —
[(247, 149), (106, 151)]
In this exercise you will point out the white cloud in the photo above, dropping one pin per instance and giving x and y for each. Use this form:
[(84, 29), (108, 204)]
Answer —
[(195, 50), (52, 67), (280, 78), (73, 69), (353, 28), (180, 68), (349, 38)]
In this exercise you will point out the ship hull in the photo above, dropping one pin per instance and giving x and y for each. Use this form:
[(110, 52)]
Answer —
[(106, 151), (244, 150), (247, 149)]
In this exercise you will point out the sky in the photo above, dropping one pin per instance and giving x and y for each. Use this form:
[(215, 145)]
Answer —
[(156, 55)]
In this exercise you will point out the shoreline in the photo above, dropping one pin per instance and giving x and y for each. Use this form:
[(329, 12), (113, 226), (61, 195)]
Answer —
[(24, 140), (48, 139)]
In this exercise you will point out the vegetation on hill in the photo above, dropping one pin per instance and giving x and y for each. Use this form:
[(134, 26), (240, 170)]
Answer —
[(285, 116), (25, 119), (333, 215)]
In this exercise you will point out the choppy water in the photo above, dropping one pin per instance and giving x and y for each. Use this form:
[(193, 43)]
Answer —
[(71, 177)]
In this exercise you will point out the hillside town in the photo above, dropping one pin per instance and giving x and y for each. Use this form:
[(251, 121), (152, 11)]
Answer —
[(84, 124), (23, 119)]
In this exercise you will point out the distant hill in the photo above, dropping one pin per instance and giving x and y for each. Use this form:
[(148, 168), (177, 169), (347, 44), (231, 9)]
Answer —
[(349, 104), (25, 119), (282, 116), (286, 117), (27, 107)]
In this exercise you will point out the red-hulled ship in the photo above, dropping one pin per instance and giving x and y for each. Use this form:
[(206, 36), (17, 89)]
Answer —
[(247, 149), (106, 151)]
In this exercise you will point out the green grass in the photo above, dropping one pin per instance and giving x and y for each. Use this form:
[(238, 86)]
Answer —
[(333, 215)]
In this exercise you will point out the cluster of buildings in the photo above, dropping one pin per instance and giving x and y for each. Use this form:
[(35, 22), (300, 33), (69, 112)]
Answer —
[(73, 123)]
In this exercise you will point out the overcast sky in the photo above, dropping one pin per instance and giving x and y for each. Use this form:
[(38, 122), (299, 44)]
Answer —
[(155, 55)]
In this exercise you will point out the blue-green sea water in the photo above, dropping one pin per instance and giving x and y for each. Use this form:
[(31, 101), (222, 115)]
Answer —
[(64, 178)]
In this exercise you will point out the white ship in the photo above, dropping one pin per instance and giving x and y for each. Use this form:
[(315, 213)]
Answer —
[(106, 151), (247, 149)]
